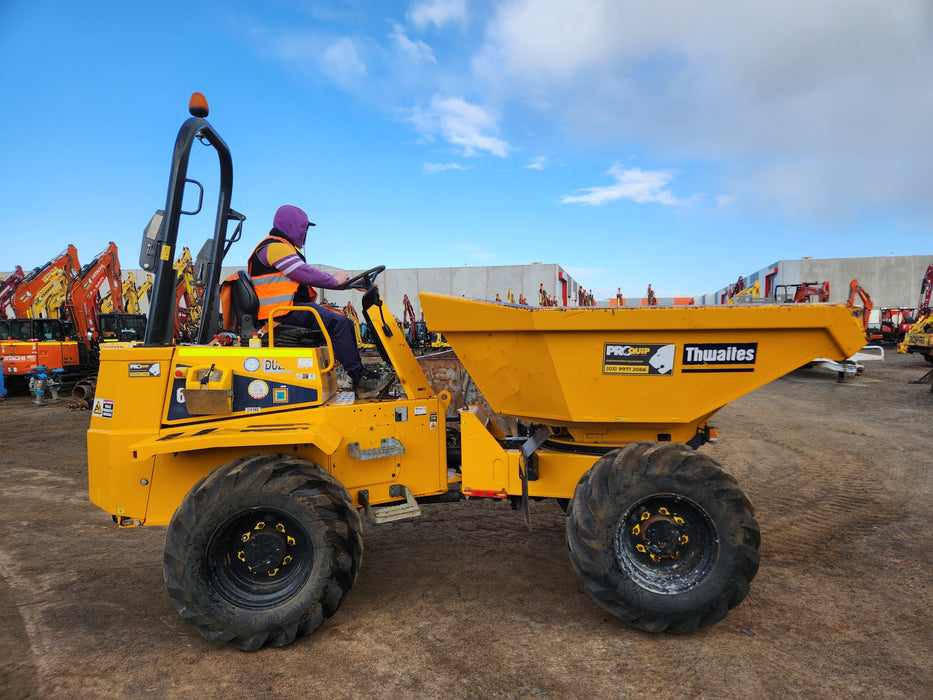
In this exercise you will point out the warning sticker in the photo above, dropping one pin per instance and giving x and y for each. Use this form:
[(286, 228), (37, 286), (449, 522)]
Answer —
[(280, 394), (258, 389), (103, 408), (638, 358), (145, 369)]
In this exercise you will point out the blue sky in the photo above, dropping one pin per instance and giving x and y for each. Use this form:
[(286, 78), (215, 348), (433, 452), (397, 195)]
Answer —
[(675, 143)]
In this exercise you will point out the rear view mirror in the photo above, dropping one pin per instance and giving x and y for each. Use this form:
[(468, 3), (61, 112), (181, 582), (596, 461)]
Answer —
[(148, 251), (201, 263)]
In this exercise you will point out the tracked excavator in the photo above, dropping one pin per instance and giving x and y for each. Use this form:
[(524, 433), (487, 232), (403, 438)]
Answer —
[(65, 262), (7, 288), (919, 339)]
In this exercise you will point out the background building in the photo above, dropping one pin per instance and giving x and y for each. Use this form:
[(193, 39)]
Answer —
[(891, 281)]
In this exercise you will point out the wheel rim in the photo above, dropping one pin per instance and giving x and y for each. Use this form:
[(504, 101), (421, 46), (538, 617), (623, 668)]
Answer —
[(259, 558), (667, 544)]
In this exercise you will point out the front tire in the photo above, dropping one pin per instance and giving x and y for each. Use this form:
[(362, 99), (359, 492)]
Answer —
[(662, 538), (262, 550)]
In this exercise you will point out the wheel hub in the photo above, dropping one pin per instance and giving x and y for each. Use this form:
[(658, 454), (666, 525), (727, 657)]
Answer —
[(265, 548), (659, 534), (666, 543)]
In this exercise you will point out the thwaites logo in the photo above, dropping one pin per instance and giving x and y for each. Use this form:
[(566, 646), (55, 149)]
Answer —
[(719, 357), (637, 358)]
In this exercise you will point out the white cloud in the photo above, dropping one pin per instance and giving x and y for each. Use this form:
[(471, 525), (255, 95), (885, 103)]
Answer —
[(438, 13), (638, 185), (434, 168), (537, 163), (342, 62), (418, 51), (830, 89), (475, 252), (462, 124), (724, 201)]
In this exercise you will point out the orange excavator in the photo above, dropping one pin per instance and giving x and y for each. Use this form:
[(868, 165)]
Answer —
[(802, 293), (24, 295), (82, 303), (856, 290)]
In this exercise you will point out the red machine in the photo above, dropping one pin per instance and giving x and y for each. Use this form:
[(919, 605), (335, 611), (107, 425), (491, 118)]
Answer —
[(7, 287), (926, 291), (895, 322), (802, 293)]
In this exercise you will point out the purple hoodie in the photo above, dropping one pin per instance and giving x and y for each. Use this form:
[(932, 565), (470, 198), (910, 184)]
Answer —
[(293, 222)]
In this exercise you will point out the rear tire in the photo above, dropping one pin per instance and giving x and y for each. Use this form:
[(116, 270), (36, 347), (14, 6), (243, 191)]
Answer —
[(662, 538), (262, 550)]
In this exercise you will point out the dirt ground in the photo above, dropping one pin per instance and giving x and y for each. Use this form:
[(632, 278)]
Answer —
[(465, 602)]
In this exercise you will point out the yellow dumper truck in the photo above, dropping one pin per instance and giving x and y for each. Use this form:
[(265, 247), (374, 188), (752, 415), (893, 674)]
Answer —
[(261, 468)]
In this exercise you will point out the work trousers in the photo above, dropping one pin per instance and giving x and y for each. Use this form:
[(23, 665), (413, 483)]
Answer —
[(340, 329)]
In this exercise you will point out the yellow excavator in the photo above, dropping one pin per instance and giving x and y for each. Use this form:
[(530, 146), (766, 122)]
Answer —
[(919, 339), (47, 302), (747, 295)]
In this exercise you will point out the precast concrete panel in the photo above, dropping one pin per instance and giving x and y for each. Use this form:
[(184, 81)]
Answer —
[(534, 276), (432, 279), (398, 283), (469, 282), (500, 279), (890, 281)]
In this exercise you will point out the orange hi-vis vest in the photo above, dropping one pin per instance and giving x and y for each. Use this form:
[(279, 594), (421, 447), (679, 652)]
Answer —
[(273, 287)]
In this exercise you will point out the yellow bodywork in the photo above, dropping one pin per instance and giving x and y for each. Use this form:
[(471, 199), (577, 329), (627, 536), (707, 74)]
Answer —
[(919, 338), (146, 449), (164, 417), (609, 375)]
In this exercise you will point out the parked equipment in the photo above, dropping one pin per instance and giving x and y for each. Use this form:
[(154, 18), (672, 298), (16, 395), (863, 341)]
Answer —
[(261, 468), (8, 287), (746, 294), (802, 293), (27, 343), (65, 262), (919, 339)]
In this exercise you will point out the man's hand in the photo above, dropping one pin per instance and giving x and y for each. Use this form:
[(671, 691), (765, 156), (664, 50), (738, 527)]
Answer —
[(341, 277)]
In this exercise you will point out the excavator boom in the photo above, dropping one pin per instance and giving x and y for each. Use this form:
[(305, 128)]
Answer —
[(82, 303), (8, 287), (24, 295)]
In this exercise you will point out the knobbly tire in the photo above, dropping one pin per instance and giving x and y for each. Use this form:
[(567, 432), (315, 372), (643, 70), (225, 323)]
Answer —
[(662, 538), (262, 550)]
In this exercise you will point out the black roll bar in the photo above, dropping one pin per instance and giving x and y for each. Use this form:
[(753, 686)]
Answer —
[(160, 329)]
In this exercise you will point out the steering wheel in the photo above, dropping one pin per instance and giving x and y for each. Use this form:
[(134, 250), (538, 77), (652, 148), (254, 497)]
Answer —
[(363, 281)]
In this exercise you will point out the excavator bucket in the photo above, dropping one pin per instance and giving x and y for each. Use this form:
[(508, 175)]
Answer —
[(612, 375)]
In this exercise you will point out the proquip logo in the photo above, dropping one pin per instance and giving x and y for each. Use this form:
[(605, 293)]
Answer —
[(637, 358)]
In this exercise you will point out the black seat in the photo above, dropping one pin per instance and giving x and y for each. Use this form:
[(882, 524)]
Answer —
[(245, 303)]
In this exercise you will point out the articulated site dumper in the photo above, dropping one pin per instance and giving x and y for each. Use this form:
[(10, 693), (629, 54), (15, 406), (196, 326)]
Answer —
[(262, 469)]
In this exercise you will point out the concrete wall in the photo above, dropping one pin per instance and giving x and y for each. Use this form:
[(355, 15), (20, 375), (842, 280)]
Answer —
[(890, 281), (471, 282)]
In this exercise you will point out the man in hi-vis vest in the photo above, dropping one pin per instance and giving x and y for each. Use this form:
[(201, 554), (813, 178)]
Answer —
[(281, 276)]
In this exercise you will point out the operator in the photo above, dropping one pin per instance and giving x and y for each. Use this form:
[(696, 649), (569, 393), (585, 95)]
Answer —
[(281, 276)]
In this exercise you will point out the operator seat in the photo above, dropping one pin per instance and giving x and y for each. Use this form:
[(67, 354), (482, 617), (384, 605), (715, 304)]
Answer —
[(245, 303)]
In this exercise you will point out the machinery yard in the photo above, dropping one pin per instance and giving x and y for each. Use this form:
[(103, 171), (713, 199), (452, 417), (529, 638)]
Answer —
[(465, 602)]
